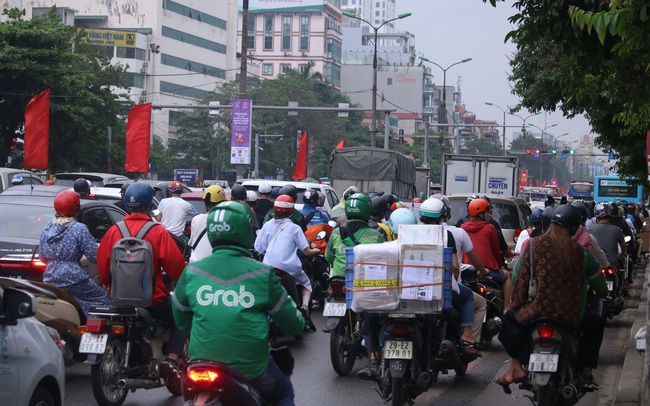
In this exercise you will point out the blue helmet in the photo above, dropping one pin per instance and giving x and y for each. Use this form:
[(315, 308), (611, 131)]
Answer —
[(138, 196), (536, 216), (17, 179)]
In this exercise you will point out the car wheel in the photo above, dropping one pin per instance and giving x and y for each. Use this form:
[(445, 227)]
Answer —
[(42, 397)]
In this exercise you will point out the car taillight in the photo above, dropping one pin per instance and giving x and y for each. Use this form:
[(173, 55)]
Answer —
[(95, 325), (202, 375), (23, 262), (397, 328), (545, 332), (608, 271)]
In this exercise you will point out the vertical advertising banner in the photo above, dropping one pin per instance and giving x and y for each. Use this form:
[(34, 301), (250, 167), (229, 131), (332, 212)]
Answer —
[(523, 177), (240, 140)]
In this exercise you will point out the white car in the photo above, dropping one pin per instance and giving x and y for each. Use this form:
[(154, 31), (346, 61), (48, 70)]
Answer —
[(31, 364)]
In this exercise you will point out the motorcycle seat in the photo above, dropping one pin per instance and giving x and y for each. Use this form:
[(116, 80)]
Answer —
[(63, 294)]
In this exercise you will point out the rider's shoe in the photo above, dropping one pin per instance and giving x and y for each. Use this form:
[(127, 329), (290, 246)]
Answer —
[(168, 367), (369, 372)]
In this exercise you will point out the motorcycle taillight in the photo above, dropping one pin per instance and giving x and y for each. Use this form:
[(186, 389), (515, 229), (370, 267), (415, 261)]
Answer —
[(545, 332), (398, 328), (202, 375), (95, 325), (337, 288)]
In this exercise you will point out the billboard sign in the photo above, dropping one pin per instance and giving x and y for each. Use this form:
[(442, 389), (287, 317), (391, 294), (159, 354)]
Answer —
[(242, 124), (106, 37), (186, 175)]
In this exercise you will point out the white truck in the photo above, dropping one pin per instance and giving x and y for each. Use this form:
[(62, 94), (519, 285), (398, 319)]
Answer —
[(480, 174)]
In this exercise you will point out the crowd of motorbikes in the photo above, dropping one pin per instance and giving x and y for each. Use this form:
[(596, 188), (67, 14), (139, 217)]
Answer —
[(125, 347)]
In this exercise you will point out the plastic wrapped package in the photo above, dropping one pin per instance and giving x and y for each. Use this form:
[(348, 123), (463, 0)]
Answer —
[(376, 269)]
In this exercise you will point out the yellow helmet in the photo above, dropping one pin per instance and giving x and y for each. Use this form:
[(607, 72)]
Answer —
[(213, 195)]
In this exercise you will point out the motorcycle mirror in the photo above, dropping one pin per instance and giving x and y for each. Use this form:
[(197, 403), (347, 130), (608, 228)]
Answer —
[(331, 223), (321, 235)]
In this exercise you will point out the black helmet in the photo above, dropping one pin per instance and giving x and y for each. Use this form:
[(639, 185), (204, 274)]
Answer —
[(378, 206), (289, 190), (547, 216), (612, 209), (389, 198), (238, 193), (472, 197), (125, 186), (81, 186), (566, 215), (311, 197), (350, 191), (584, 213)]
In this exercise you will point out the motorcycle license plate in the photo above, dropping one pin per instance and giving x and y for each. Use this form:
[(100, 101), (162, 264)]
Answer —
[(334, 309), (610, 285), (398, 350), (543, 362), (93, 343)]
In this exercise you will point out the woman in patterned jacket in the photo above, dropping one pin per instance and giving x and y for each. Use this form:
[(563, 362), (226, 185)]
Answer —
[(63, 242)]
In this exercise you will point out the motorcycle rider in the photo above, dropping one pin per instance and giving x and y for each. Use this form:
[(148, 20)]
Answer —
[(534, 231), (486, 243), (199, 242), (611, 238), (378, 210), (62, 244), (338, 211), (167, 257), (252, 291), (562, 269), (295, 216), (238, 193), (280, 239), (431, 212), (430, 208), (264, 203), (311, 201), (82, 187), (174, 212)]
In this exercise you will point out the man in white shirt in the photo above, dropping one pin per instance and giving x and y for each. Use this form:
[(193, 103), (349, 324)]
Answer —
[(175, 212), (199, 242)]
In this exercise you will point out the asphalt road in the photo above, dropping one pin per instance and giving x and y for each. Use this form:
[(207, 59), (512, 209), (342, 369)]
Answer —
[(316, 383)]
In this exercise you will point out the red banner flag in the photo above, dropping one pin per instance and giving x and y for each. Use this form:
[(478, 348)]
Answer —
[(37, 132), (138, 130), (300, 171), (340, 144)]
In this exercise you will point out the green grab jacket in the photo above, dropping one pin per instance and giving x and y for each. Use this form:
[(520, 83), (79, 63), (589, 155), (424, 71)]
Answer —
[(222, 303), (335, 252)]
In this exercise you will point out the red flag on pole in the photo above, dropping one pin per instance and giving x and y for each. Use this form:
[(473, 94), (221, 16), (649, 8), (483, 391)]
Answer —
[(138, 133), (340, 144), (300, 171), (37, 131)]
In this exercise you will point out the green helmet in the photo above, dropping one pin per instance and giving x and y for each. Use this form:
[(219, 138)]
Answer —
[(357, 206), (231, 223)]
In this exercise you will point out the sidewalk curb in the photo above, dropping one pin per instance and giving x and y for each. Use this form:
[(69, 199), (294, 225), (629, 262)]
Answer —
[(631, 383)]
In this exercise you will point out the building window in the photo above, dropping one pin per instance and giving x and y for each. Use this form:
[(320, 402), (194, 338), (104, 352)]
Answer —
[(333, 74), (304, 33), (193, 40), (180, 90), (284, 67), (267, 69), (286, 33), (133, 79), (389, 82), (250, 38), (131, 53), (193, 14), (268, 33), (344, 2), (377, 4), (377, 13), (192, 66), (302, 68), (334, 49)]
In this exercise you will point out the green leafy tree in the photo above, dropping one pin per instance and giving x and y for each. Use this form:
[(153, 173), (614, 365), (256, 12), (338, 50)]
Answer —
[(42, 53)]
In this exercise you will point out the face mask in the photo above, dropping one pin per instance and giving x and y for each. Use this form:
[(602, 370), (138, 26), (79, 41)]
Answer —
[(487, 217)]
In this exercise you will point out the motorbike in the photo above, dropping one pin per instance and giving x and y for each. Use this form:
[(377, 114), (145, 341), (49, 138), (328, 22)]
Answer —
[(58, 309), (344, 326), (550, 368), (490, 290), (615, 305), (213, 383), (124, 347), (447, 345), (317, 268), (286, 280)]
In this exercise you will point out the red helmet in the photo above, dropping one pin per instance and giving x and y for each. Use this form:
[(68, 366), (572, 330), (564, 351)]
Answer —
[(417, 200), (395, 206), (175, 187), (283, 204), (49, 182), (478, 206), (66, 203)]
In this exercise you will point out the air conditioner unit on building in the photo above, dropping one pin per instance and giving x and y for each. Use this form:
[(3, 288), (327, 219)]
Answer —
[(143, 93), (304, 53), (143, 99)]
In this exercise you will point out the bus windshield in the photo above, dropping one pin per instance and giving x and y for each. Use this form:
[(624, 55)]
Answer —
[(581, 189)]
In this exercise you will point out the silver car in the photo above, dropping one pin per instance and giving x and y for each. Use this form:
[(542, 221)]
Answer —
[(31, 363)]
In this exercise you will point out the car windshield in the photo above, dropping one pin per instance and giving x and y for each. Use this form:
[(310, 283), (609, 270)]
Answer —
[(20, 221), (505, 214)]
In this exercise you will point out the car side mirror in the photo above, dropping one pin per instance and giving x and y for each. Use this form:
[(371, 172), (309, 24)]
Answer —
[(16, 304)]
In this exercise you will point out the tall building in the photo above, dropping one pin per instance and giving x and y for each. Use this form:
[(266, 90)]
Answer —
[(285, 35), (374, 11), (176, 51)]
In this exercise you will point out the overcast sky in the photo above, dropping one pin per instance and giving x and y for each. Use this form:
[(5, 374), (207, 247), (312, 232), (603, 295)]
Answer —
[(447, 31)]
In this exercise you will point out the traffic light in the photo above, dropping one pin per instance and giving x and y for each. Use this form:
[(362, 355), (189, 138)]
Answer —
[(528, 152), (571, 152), (554, 151), (537, 151)]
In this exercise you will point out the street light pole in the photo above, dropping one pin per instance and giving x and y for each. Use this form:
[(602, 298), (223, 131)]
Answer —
[(523, 125), (504, 123), (373, 125), (442, 113), (541, 157)]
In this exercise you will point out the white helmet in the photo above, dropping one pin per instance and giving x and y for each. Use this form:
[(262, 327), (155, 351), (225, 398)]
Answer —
[(265, 188), (432, 207), (251, 196)]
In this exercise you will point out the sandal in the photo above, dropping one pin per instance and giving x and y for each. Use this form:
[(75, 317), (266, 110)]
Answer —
[(504, 386), (470, 348)]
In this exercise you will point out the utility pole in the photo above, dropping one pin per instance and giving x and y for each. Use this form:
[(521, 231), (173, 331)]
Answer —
[(243, 68)]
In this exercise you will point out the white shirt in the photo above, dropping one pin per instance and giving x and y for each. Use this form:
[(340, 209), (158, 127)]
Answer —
[(523, 236), (279, 240), (463, 244), (203, 248), (174, 212)]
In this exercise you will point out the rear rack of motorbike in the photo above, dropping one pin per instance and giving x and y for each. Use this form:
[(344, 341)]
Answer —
[(117, 311)]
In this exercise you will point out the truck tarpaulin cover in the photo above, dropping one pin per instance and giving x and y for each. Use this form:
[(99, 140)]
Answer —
[(365, 163)]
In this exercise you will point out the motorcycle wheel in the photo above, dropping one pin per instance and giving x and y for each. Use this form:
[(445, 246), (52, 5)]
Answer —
[(462, 370), (342, 346), (545, 395), (105, 375), (398, 394)]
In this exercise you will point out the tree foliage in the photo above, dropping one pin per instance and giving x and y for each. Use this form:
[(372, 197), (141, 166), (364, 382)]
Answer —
[(42, 53), (588, 57)]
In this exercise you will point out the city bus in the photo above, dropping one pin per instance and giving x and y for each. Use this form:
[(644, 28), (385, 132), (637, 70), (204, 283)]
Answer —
[(581, 190), (612, 187)]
